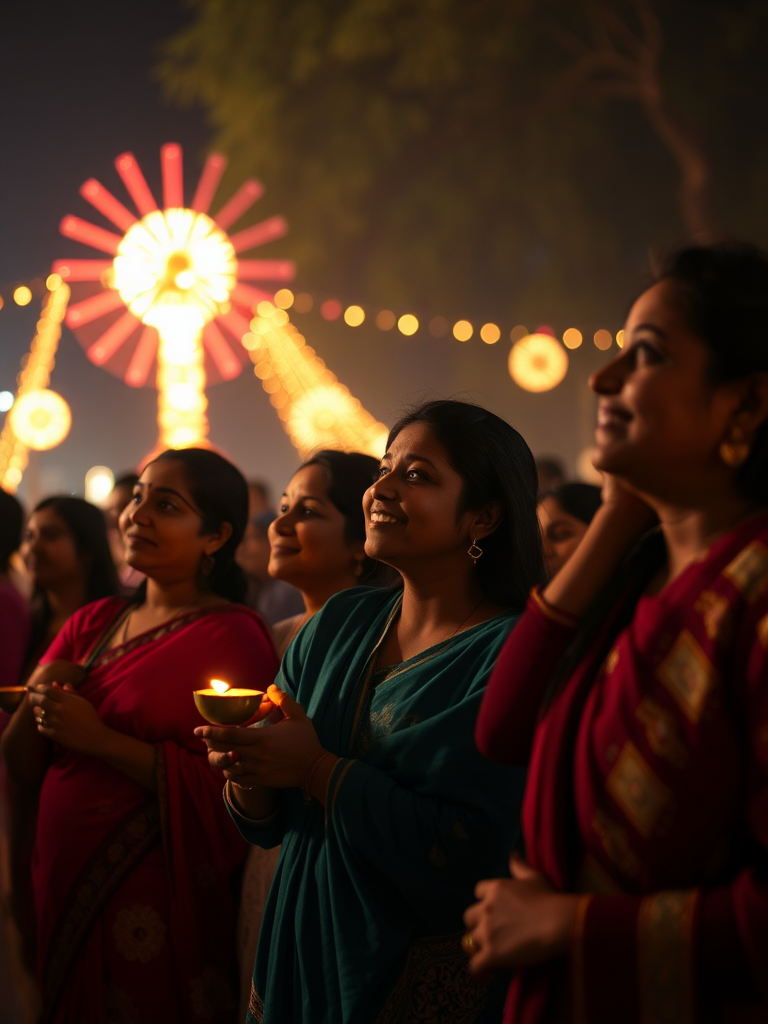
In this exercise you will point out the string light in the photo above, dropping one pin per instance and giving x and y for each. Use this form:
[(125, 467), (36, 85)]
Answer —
[(603, 340), (22, 295), (386, 320), (40, 419), (490, 334), (572, 338), (316, 410), (408, 324), (354, 316), (35, 375), (620, 339), (462, 330), (537, 362)]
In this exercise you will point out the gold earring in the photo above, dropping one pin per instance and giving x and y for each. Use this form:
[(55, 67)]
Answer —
[(475, 552), (735, 452)]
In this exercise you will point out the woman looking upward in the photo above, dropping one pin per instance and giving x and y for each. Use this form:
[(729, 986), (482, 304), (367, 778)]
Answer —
[(386, 813), (107, 732), (638, 685)]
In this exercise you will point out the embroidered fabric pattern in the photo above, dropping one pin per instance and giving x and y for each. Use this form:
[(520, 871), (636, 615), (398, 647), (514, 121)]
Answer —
[(665, 958)]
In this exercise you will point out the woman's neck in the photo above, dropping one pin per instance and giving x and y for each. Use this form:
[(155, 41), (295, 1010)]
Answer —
[(317, 595), (689, 531), (163, 598)]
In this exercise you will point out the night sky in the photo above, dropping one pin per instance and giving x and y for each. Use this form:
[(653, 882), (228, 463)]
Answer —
[(78, 91)]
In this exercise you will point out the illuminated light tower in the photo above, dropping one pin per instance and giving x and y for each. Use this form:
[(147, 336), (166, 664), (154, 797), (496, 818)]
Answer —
[(172, 296), (316, 409)]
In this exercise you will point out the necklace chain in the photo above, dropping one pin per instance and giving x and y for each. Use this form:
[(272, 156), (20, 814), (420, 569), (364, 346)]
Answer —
[(173, 618)]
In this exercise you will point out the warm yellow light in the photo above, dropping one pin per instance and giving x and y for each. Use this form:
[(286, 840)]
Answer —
[(517, 333), (537, 362), (265, 308), (52, 282), (22, 296), (620, 339), (354, 316), (284, 298), (99, 481), (219, 685), (462, 330), (13, 476), (603, 340), (408, 324), (386, 320), (302, 303), (572, 338), (490, 334), (40, 419)]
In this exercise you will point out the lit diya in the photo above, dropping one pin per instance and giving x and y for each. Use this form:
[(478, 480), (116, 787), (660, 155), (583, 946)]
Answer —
[(11, 697), (222, 704)]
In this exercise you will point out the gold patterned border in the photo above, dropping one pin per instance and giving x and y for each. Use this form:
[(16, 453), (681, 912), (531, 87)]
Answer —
[(117, 856), (665, 957), (255, 1007)]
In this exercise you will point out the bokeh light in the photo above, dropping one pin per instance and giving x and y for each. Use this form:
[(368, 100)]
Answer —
[(40, 419), (537, 362), (22, 296), (620, 339), (331, 309), (354, 316), (99, 481), (603, 340), (490, 334), (408, 324), (462, 330), (517, 333), (6, 400), (572, 338), (303, 303), (284, 298), (386, 320), (52, 282)]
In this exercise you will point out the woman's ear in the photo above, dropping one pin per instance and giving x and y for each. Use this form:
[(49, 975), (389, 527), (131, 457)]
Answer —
[(487, 521), (218, 539)]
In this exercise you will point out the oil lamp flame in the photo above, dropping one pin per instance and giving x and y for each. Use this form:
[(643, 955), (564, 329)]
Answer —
[(219, 685)]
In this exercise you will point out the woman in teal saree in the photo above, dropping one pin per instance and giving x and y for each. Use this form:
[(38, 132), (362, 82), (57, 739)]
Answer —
[(370, 780)]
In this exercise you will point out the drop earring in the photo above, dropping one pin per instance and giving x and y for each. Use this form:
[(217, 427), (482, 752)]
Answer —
[(735, 451), (475, 552)]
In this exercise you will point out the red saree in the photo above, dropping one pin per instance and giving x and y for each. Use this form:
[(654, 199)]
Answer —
[(648, 791), (136, 917)]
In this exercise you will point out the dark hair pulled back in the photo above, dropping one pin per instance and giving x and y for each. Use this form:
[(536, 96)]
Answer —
[(577, 499), (349, 475), (220, 494), (724, 291), (495, 464)]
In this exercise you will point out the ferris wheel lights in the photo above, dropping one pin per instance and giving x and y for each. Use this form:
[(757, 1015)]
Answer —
[(6, 400), (22, 296), (111, 340), (265, 231), (173, 184), (103, 201), (135, 183), (462, 330), (490, 334), (185, 280), (89, 234), (214, 167), (241, 201)]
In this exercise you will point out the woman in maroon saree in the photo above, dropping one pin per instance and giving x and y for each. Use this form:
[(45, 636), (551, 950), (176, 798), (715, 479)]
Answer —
[(641, 695), (135, 853)]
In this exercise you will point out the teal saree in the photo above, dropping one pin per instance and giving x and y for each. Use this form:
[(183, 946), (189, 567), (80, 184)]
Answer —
[(364, 917)]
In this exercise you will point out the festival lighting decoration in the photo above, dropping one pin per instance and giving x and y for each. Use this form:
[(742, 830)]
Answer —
[(316, 410), (99, 481), (33, 381), (40, 419), (538, 362), (172, 297)]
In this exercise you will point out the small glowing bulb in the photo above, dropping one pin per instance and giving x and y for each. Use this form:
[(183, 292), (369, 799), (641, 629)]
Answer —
[(354, 316), (219, 685), (284, 298), (99, 481), (603, 340), (620, 339), (572, 338), (462, 330), (408, 324), (490, 334), (22, 296)]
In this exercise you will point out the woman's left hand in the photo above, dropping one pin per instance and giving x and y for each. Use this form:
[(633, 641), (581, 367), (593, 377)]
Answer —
[(277, 756), (518, 921), (67, 718)]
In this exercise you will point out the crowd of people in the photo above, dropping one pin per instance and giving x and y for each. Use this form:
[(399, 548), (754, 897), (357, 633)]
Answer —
[(511, 762)]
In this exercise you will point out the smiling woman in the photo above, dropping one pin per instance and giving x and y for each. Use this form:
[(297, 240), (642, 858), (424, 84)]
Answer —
[(370, 780), (637, 683), (107, 733)]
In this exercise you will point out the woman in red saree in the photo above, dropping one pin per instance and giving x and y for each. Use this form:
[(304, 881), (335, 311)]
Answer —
[(639, 689), (135, 853)]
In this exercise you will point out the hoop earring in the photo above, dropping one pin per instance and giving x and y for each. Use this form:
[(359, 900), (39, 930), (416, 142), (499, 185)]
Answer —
[(734, 453), (475, 552), (207, 565)]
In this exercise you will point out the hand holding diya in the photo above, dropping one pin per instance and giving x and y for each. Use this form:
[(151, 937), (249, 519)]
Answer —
[(222, 704), (11, 697)]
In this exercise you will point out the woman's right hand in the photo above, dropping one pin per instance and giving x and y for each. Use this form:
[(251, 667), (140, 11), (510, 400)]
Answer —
[(618, 495), (60, 671)]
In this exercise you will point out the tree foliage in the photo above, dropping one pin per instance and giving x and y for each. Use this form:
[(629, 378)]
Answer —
[(515, 157)]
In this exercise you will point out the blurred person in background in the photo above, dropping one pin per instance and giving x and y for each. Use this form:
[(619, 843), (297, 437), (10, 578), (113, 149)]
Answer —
[(564, 515), (112, 507), (273, 599), (135, 855), (15, 621), (550, 473), (259, 498)]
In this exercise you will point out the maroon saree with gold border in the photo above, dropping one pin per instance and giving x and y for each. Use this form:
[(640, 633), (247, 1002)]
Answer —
[(136, 916), (648, 792)]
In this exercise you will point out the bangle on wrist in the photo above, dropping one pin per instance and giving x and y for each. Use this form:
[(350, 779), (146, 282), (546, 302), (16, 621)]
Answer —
[(238, 810), (311, 772)]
